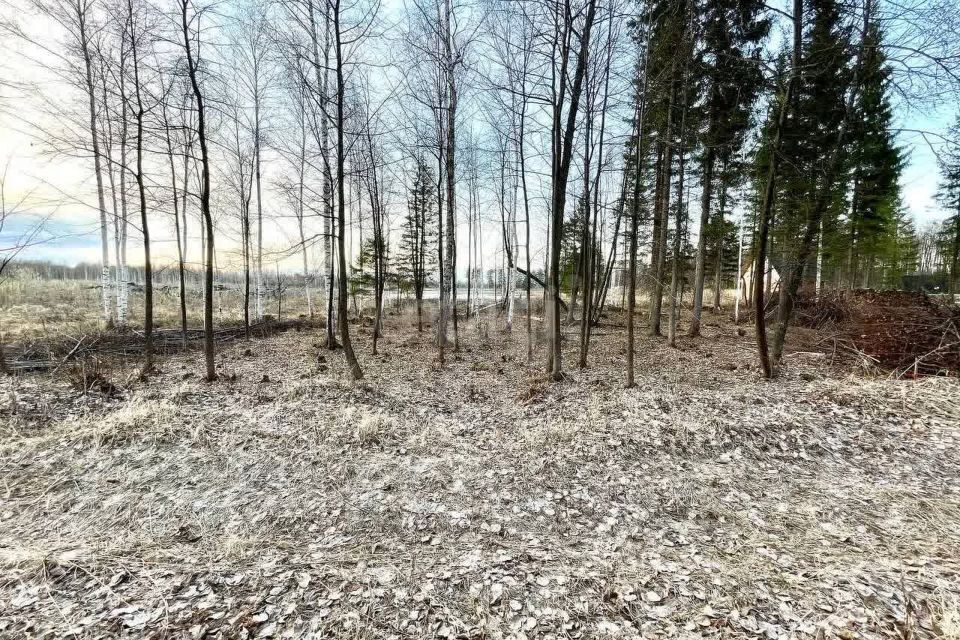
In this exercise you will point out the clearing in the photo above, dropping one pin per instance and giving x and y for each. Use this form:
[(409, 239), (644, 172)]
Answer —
[(476, 501)]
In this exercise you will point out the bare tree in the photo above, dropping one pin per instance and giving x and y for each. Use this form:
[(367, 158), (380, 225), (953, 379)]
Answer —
[(591, 186), (190, 32), (562, 134), (137, 33), (178, 194), (239, 174), (769, 192), (78, 21), (346, 37), (256, 75), (295, 150)]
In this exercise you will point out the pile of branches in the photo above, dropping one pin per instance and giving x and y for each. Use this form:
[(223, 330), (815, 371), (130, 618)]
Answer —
[(907, 333), (820, 312)]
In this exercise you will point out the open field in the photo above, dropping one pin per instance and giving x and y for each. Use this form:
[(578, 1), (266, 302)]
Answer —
[(46, 309), (477, 501), (34, 309)]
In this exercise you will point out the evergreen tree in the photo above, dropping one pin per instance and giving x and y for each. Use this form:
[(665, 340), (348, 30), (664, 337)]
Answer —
[(570, 246), (734, 31), (904, 253), (666, 89), (362, 278), (876, 164), (949, 197), (811, 128), (414, 261)]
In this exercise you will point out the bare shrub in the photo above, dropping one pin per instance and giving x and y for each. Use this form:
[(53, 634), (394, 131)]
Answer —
[(92, 375), (375, 428)]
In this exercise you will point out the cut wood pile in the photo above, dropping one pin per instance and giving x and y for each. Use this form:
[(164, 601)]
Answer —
[(908, 333)]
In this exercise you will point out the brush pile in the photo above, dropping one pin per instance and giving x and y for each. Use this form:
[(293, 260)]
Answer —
[(908, 333)]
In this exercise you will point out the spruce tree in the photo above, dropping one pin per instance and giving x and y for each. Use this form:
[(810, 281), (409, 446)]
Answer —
[(810, 130), (876, 164), (903, 256), (669, 25), (414, 261), (949, 197), (733, 33)]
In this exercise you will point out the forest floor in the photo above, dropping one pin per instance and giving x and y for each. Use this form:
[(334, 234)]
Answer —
[(479, 501)]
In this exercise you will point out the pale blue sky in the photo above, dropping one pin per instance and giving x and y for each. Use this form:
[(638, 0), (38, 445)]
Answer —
[(69, 180)]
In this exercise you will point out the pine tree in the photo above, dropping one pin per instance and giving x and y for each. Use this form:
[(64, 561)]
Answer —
[(414, 261), (949, 197), (876, 164), (811, 128), (733, 33)]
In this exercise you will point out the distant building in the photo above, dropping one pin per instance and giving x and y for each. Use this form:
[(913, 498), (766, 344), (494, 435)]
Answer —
[(746, 279)]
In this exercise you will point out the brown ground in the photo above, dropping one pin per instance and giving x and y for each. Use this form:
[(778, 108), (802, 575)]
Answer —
[(477, 501)]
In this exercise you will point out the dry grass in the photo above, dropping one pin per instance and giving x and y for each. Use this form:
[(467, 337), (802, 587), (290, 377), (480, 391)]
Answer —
[(32, 309), (948, 618), (479, 501)]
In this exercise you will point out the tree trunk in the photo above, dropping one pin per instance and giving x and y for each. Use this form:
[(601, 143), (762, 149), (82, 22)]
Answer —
[(301, 212), (659, 257), (526, 218), (469, 250), (176, 225), (701, 267), (321, 70), (245, 222), (447, 294), (351, 357), (82, 26), (121, 230), (192, 65), (256, 173), (676, 276), (634, 221), (769, 194), (718, 264), (441, 328), (141, 188)]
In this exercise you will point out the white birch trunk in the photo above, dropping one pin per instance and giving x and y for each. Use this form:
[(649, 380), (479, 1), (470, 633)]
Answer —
[(819, 279), (736, 302)]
